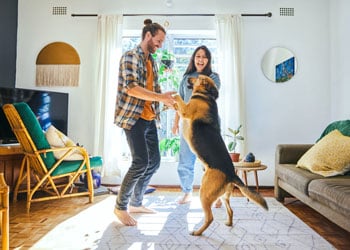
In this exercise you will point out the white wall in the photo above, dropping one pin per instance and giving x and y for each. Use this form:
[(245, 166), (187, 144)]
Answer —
[(340, 64), (294, 112)]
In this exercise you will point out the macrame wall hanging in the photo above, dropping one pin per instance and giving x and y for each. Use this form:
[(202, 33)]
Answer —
[(57, 64)]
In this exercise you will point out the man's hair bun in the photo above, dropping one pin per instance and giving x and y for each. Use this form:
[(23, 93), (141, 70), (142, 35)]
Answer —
[(151, 27), (147, 21)]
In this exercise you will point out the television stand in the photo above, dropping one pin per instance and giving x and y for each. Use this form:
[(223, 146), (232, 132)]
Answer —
[(8, 141)]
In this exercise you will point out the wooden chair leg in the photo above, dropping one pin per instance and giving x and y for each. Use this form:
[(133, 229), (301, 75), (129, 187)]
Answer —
[(20, 179)]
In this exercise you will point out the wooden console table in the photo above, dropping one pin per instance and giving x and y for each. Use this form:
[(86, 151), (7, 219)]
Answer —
[(10, 162)]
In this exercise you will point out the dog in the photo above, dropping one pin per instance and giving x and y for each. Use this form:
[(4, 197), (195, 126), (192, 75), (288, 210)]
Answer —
[(201, 130)]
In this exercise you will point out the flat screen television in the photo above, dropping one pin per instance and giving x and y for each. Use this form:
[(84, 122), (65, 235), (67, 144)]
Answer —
[(51, 108)]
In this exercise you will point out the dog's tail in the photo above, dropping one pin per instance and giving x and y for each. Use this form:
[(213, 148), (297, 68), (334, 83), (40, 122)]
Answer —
[(250, 194)]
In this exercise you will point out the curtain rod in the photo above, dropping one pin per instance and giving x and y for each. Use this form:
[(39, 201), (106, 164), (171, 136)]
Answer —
[(269, 14)]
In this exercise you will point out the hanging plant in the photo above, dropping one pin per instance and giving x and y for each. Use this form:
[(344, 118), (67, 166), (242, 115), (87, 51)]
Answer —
[(167, 71), (167, 59)]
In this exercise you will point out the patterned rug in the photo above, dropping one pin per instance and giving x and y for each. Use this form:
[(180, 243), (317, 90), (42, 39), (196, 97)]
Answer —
[(253, 227)]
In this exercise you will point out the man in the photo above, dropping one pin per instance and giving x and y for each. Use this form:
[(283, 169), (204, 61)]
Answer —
[(137, 110)]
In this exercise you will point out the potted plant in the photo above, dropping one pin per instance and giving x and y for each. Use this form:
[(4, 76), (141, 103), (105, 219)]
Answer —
[(234, 137)]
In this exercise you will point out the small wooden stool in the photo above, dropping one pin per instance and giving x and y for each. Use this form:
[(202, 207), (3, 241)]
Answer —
[(245, 167)]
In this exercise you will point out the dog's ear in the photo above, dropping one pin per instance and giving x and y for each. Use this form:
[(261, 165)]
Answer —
[(213, 91), (210, 87), (190, 82)]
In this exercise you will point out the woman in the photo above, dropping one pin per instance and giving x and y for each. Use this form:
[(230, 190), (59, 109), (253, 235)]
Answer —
[(200, 63)]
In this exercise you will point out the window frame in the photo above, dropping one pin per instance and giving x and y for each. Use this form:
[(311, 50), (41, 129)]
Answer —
[(166, 138)]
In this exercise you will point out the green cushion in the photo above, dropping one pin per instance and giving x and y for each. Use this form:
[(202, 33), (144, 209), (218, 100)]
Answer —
[(72, 166), (35, 131), (39, 139), (343, 126)]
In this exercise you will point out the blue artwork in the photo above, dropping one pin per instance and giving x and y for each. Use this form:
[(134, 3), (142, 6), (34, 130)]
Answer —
[(285, 70)]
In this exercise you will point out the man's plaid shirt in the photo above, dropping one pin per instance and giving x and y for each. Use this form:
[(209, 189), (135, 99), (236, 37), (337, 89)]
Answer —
[(132, 72)]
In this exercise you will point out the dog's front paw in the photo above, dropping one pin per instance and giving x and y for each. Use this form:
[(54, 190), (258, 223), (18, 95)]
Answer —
[(177, 97)]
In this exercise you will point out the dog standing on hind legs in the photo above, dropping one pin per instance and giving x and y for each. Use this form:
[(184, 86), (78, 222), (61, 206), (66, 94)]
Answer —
[(201, 130)]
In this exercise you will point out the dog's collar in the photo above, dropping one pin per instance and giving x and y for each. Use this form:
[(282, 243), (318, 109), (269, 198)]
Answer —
[(201, 95)]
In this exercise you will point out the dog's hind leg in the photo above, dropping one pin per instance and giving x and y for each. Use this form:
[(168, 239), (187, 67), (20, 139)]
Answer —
[(212, 187), (208, 214), (229, 211)]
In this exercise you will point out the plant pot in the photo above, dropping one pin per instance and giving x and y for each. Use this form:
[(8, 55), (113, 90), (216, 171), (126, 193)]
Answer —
[(168, 63), (235, 157)]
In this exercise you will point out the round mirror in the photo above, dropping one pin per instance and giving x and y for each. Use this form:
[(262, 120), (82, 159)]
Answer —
[(279, 64)]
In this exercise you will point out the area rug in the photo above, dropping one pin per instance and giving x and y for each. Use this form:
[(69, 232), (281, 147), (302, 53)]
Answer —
[(253, 227)]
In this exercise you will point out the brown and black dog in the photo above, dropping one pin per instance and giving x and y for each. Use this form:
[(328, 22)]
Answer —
[(201, 130)]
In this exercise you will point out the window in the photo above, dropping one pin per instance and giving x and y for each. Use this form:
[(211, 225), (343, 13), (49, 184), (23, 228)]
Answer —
[(178, 46)]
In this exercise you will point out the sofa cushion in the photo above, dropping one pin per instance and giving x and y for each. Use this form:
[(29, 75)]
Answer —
[(328, 157), (296, 177), (332, 192)]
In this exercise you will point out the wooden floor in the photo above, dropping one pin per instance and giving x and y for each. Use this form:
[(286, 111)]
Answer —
[(334, 234), (26, 229)]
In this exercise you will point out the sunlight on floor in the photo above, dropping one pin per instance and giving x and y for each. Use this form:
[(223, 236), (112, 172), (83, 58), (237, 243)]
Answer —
[(149, 226), (97, 228)]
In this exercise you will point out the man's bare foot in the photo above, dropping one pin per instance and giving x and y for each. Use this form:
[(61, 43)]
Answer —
[(125, 217), (218, 203), (141, 209), (187, 198)]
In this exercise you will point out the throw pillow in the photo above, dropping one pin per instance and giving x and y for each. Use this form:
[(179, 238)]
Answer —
[(342, 126), (330, 156), (57, 139)]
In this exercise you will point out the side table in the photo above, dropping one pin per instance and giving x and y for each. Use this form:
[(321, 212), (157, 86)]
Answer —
[(245, 168)]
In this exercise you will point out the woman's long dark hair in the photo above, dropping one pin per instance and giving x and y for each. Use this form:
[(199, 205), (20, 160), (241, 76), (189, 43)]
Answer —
[(192, 68)]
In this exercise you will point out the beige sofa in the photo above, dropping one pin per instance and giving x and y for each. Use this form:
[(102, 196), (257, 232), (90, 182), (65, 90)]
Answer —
[(330, 196)]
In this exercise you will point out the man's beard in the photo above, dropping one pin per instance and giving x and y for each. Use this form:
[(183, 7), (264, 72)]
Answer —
[(150, 47)]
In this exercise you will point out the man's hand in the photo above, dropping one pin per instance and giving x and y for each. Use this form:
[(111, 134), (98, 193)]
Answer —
[(168, 99)]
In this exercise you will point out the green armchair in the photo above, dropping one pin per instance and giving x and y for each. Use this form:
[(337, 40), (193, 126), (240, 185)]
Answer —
[(40, 170)]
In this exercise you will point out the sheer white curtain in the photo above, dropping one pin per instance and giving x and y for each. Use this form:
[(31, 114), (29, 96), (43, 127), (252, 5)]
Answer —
[(231, 101), (107, 135)]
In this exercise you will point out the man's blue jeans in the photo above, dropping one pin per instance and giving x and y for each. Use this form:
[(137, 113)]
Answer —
[(144, 147), (185, 168)]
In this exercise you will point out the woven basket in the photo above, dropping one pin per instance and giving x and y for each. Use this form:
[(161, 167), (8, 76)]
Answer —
[(247, 164)]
